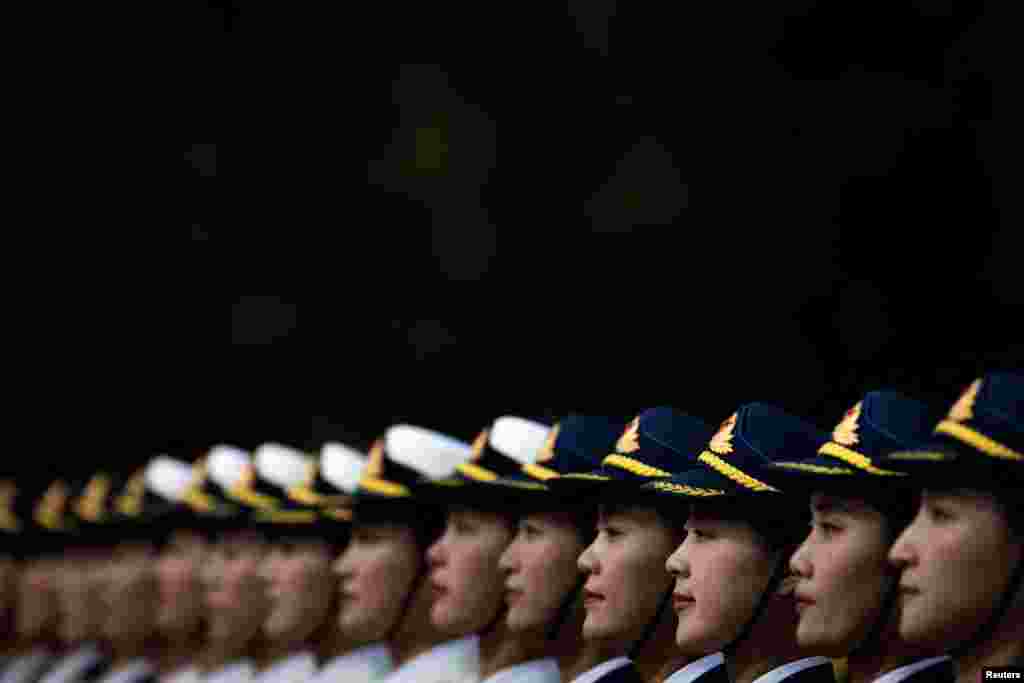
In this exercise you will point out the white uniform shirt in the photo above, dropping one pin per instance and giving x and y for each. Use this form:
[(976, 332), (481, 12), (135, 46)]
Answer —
[(786, 670), (364, 665), (72, 666), (905, 672), (26, 667), (697, 668), (296, 668), (534, 671), (189, 674), (238, 671), (455, 661), (132, 671), (602, 669)]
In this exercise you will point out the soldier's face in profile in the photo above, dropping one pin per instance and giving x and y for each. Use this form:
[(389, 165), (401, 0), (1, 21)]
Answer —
[(843, 574), (36, 612), (956, 558), (540, 569), (300, 587), (180, 592), (722, 569), (626, 572), (128, 592), (468, 586), (78, 595), (375, 576), (236, 600)]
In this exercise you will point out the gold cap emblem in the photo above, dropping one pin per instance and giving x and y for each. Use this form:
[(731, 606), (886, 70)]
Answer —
[(630, 439), (721, 442), (90, 505), (547, 451), (845, 432), (8, 521), (478, 445), (963, 409), (50, 509), (130, 501), (375, 463)]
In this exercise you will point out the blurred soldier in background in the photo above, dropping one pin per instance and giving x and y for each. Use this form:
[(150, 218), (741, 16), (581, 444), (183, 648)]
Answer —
[(543, 584), (31, 563), (342, 658), (469, 587), (234, 590), (81, 614), (297, 568), (385, 597)]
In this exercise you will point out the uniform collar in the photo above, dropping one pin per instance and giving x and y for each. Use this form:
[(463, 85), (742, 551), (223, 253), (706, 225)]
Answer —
[(456, 656), (232, 672), (602, 669), (188, 674), (295, 667), (535, 670), (372, 659), (73, 665), (130, 671), (696, 669), (786, 670), (27, 667), (905, 672)]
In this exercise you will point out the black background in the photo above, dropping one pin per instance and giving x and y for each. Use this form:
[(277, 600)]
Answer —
[(792, 203)]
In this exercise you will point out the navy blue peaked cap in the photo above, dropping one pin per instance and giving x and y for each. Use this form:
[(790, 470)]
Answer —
[(881, 423), (980, 443), (655, 445), (735, 460)]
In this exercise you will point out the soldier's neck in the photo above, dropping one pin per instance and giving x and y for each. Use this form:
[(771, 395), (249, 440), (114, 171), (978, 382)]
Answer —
[(887, 654), (219, 654), (178, 652), (659, 658), (501, 648)]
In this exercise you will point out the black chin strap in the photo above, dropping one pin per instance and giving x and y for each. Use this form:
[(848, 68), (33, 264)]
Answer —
[(781, 569), (652, 625), (565, 609), (874, 635), (988, 629), (417, 581)]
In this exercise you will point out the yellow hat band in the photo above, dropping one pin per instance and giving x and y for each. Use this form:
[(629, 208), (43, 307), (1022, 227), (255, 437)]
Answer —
[(733, 472), (858, 460), (476, 472), (384, 487), (977, 440), (633, 466), (539, 472)]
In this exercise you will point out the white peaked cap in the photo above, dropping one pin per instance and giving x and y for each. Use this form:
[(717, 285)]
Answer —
[(226, 465), (282, 466), (518, 438), (341, 466), (430, 453), (168, 477)]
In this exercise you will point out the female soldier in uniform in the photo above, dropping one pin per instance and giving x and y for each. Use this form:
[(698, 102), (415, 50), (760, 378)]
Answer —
[(962, 557), (730, 593), (846, 591), (385, 598), (467, 583), (626, 586)]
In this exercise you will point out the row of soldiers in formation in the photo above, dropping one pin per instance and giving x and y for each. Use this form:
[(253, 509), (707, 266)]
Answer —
[(891, 550)]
